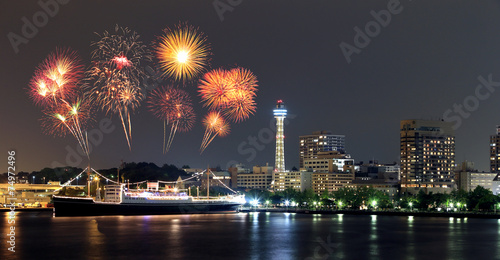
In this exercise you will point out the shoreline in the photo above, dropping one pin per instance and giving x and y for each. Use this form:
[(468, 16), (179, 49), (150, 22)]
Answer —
[(385, 213), (27, 209), (335, 212)]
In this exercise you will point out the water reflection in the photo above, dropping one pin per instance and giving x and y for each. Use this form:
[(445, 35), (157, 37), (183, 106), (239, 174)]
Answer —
[(410, 237), (95, 239), (374, 250), (255, 236)]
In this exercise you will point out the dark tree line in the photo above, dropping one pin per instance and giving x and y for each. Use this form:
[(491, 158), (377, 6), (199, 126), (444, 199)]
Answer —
[(134, 172), (479, 199)]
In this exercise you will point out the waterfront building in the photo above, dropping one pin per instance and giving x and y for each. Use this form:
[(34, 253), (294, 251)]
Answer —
[(220, 179), (427, 156), (331, 181), (298, 180), (467, 178), (263, 169), (330, 162), (234, 171), (331, 171), (261, 177), (495, 185), (375, 170), (495, 151), (280, 115), (388, 187), (256, 180), (30, 194), (317, 142)]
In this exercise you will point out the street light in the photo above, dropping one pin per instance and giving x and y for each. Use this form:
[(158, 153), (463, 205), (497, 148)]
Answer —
[(374, 203), (340, 204), (411, 205), (254, 203), (287, 202), (267, 203), (33, 180), (77, 179)]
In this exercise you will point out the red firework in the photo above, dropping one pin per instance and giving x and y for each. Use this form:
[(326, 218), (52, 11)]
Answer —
[(56, 78), (175, 108)]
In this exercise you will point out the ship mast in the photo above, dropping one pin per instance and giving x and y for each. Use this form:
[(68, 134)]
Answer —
[(88, 180), (208, 182)]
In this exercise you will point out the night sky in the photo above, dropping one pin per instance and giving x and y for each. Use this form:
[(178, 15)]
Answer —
[(427, 58)]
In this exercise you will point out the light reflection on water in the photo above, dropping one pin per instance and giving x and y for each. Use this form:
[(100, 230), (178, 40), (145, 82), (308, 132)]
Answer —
[(252, 236), (374, 250)]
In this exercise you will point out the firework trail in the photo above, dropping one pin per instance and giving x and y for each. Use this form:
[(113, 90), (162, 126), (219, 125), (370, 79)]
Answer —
[(215, 125), (182, 52), (69, 118), (55, 86), (117, 75), (175, 108)]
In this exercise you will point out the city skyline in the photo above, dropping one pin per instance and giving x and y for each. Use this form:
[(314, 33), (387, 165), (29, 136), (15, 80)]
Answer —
[(406, 71)]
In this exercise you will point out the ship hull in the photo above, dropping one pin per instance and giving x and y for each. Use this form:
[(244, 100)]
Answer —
[(64, 206)]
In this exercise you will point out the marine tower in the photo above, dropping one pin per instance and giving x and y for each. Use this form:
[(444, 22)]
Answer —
[(280, 115)]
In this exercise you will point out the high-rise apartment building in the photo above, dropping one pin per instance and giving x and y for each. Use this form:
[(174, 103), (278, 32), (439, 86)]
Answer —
[(495, 151), (320, 141), (427, 156)]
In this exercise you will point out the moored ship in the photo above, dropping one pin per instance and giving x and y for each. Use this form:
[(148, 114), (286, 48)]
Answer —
[(120, 201)]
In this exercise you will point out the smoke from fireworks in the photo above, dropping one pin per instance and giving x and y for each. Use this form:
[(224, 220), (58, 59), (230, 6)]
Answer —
[(182, 52), (117, 74), (55, 86), (215, 125), (175, 108)]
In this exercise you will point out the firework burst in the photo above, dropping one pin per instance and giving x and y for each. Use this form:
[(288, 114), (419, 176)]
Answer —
[(215, 89), (56, 78), (215, 125), (56, 86), (117, 74), (233, 92), (175, 108), (182, 52), (241, 103)]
